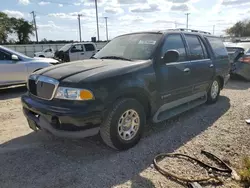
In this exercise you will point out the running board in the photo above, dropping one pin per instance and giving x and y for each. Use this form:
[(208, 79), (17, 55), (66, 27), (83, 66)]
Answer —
[(177, 107)]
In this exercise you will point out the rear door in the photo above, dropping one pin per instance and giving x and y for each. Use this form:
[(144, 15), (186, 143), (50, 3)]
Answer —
[(174, 77), (89, 50), (77, 52), (202, 68), (221, 59), (11, 72)]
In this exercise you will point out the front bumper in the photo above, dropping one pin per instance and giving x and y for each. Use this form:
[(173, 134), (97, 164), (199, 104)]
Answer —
[(72, 121)]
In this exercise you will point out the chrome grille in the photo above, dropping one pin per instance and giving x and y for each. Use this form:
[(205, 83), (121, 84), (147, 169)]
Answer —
[(42, 86)]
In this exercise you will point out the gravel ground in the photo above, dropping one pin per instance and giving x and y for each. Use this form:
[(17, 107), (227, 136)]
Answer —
[(29, 159)]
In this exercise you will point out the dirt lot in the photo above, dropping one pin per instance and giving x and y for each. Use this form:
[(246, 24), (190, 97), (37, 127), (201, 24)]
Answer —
[(29, 159)]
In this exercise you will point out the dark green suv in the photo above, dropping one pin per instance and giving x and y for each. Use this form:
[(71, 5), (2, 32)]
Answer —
[(136, 77)]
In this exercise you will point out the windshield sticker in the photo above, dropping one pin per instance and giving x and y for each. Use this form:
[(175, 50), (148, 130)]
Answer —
[(152, 42)]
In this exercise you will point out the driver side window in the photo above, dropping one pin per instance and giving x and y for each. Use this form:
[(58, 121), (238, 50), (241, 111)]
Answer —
[(77, 48), (4, 56), (174, 42)]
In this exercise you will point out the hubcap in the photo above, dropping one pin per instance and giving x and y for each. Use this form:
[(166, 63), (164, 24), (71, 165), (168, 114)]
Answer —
[(128, 124), (214, 89)]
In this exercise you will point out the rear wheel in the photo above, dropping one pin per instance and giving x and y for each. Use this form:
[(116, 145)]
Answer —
[(124, 123), (214, 92)]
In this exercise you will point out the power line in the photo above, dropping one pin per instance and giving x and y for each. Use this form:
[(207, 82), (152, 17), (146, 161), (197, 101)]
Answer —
[(106, 20), (34, 21), (79, 22), (187, 19), (97, 24)]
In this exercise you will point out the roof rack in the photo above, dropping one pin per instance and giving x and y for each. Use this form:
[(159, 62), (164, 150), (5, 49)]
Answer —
[(190, 30)]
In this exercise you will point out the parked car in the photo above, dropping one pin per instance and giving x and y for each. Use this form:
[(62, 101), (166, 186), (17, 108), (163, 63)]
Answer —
[(48, 52), (15, 67), (239, 54), (135, 77), (76, 51)]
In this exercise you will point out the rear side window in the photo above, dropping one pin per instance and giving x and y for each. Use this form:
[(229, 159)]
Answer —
[(195, 47), (174, 42), (217, 47), (89, 47)]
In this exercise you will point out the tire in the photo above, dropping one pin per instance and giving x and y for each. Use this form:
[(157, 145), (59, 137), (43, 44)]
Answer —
[(213, 94), (42, 56), (111, 130)]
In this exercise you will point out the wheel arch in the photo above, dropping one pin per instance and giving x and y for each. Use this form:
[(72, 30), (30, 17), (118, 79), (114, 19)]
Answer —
[(138, 94)]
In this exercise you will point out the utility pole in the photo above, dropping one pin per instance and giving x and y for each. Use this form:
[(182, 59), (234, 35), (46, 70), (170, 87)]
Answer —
[(107, 35), (79, 23), (187, 19), (97, 24), (34, 21), (213, 29)]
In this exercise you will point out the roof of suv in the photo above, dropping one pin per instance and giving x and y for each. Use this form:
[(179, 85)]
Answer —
[(186, 31)]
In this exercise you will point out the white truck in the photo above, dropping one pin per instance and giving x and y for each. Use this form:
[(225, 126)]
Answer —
[(47, 52), (76, 51)]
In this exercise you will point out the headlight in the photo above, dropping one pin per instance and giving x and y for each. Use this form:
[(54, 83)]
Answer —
[(74, 94)]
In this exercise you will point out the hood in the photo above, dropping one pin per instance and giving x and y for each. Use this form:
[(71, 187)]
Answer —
[(92, 69), (44, 60)]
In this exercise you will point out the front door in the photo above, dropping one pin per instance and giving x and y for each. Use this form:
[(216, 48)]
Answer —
[(174, 77), (77, 52), (202, 68), (11, 71)]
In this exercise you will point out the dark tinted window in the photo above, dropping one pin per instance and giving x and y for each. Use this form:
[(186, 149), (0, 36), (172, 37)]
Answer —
[(218, 47), (196, 51), (89, 47), (174, 41), (4, 56)]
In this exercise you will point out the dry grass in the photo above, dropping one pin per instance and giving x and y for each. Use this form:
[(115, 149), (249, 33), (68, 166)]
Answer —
[(245, 171)]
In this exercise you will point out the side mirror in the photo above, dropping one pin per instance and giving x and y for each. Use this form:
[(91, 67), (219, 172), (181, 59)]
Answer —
[(171, 56), (14, 57)]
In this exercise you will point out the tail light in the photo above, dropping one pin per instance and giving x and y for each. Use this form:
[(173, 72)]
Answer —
[(245, 59)]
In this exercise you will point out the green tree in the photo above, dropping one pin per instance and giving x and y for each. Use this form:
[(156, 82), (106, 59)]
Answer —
[(5, 27), (23, 29), (240, 29)]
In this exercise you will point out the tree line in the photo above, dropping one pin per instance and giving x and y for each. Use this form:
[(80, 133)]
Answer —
[(240, 29), (19, 27)]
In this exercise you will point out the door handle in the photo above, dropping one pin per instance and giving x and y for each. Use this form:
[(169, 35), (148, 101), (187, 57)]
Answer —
[(211, 65), (186, 70), (82, 53)]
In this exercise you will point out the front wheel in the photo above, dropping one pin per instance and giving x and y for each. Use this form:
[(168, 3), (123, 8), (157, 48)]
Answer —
[(214, 92), (123, 125)]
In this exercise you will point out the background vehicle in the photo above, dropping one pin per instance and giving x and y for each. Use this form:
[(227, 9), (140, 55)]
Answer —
[(48, 52), (239, 54), (15, 67), (76, 51), (134, 78)]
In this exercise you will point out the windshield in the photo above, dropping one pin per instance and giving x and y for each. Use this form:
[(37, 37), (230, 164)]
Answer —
[(133, 46), (65, 47)]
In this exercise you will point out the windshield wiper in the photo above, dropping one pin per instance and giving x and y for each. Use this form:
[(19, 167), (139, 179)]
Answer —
[(116, 57)]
